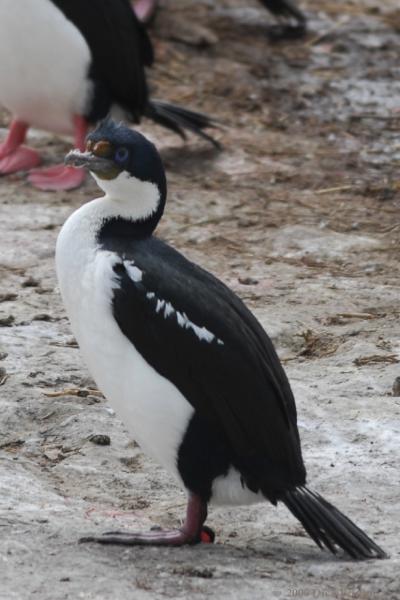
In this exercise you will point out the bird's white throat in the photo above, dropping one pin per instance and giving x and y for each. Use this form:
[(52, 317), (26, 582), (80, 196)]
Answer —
[(137, 199)]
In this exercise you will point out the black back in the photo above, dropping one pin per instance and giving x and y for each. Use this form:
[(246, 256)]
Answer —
[(120, 50), (242, 398)]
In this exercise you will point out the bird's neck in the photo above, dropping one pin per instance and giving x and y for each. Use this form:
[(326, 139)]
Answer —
[(122, 228), (103, 217), (130, 207)]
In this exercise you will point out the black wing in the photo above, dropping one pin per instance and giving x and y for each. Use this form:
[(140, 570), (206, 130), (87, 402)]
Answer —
[(120, 49), (232, 376)]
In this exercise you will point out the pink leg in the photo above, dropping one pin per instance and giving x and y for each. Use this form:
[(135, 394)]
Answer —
[(61, 177), (13, 156), (191, 532), (144, 9)]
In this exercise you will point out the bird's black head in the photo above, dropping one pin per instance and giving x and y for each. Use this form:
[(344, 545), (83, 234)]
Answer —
[(127, 166)]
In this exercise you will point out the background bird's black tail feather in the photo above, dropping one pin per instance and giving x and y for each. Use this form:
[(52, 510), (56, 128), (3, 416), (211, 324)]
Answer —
[(180, 120), (327, 526), (286, 8)]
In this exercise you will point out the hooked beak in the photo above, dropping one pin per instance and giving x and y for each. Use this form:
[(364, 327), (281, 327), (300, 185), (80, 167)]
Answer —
[(103, 167)]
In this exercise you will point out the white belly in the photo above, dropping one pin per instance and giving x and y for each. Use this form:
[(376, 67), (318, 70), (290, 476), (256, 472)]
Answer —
[(44, 61), (152, 408)]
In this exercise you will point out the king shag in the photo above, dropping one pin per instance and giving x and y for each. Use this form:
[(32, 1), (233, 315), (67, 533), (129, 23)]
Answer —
[(181, 359)]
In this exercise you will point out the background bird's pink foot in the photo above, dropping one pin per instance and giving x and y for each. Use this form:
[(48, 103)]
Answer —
[(20, 159), (144, 9), (57, 178)]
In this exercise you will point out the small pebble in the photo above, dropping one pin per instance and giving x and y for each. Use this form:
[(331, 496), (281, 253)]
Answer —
[(100, 439), (42, 317), (93, 399), (248, 281), (30, 282), (7, 321), (8, 297)]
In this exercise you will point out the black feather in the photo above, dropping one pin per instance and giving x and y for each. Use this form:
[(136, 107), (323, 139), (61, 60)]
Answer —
[(120, 49), (178, 119), (327, 526), (286, 8)]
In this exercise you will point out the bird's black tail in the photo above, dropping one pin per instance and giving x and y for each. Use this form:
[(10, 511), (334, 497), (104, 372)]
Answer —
[(180, 119), (328, 527)]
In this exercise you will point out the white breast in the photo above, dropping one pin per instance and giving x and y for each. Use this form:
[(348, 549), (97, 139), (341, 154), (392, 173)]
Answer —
[(44, 62), (151, 407)]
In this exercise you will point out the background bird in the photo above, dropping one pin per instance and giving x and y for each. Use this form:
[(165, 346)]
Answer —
[(64, 65), (182, 360)]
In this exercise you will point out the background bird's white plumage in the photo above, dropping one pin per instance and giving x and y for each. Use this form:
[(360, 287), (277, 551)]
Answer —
[(44, 65)]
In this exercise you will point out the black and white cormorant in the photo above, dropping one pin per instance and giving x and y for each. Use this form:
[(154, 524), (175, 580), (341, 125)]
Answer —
[(185, 364), (63, 65)]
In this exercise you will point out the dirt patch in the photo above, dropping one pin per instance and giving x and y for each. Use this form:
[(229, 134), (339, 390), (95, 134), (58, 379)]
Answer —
[(300, 216)]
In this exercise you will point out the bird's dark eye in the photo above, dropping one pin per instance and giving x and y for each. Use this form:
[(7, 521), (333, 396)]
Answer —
[(121, 155)]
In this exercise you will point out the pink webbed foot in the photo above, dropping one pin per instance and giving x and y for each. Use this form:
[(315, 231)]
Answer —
[(155, 537), (20, 159), (144, 9), (57, 178), (192, 531)]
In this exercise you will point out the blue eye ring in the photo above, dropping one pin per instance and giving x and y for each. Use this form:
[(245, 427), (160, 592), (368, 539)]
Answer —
[(121, 155)]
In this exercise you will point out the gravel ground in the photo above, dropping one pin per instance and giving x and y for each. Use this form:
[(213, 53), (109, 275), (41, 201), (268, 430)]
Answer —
[(299, 214)]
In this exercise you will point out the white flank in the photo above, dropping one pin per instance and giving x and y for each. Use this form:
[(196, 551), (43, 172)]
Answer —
[(44, 65), (229, 490)]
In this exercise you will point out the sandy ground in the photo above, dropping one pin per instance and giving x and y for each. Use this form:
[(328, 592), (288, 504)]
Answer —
[(300, 215)]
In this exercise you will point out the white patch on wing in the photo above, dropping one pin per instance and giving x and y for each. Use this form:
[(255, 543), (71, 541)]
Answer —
[(183, 320), (160, 305), (134, 272), (44, 64), (169, 309), (201, 332), (180, 318)]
